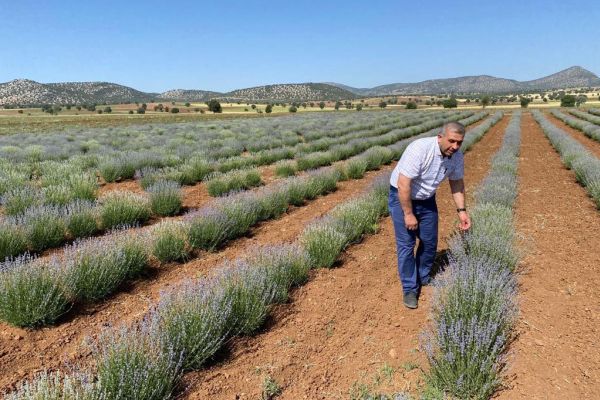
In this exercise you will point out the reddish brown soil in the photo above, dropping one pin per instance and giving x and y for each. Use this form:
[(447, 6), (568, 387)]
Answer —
[(342, 327), (556, 355), (591, 144), (367, 335), (23, 352)]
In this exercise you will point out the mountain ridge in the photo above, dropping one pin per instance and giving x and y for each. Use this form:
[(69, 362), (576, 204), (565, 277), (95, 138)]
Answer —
[(29, 92)]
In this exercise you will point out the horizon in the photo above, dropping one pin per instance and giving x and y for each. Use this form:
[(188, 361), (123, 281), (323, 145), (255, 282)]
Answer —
[(238, 45)]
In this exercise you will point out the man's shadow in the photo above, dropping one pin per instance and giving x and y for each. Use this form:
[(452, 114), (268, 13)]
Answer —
[(439, 263)]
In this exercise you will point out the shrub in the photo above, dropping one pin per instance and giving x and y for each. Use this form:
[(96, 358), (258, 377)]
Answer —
[(31, 292), (243, 210), (194, 320), (170, 241), (209, 228), (95, 268), (166, 198), (17, 200), (241, 179), (12, 240), (411, 105), (56, 386), (83, 186), (568, 100), (356, 217), (356, 168), (285, 168), (123, 208), (273, 202), (44, 227), (323, 242), (81, 219), (58, 195), (132, 363), (215, 106)]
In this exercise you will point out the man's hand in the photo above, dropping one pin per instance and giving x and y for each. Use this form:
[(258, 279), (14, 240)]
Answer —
[(410, 221), (465, 221)]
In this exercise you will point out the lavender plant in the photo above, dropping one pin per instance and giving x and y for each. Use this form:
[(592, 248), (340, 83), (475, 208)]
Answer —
[(209, 228), (123, 208), (57, 386), (285, 168), (13, 240), (221, 184), (133, 364), (44, 227), (193, 321), (169, 241), (81, 219), (16, 201), (31, 292), (166, 198), (323, 242)]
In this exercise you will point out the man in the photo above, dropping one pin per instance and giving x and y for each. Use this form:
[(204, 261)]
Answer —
[(423, 166)]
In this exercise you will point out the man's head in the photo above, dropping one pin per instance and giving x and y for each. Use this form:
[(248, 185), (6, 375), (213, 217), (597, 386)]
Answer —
[(451, 138)]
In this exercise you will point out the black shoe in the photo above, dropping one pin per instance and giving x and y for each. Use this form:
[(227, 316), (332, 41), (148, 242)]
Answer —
[(410, 299)]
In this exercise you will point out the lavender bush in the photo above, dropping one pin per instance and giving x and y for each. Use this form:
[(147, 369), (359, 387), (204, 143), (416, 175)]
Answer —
[(169, 241), (13, 240), (166, 198), (123, 208), (31, 292)]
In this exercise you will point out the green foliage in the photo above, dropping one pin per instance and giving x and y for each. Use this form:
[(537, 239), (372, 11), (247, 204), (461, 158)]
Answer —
[(323, 242), (270, 388), (123, 208), (285, 168), (166, 198), (269, 108), (450, 103), (411, 105), (568, 101), (169, 242), (31, 293), (214, 106), (12, 240), (293, 109)]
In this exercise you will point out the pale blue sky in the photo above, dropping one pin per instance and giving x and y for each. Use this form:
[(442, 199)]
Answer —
[(161, 45)]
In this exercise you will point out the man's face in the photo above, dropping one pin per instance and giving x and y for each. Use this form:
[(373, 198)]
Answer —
[(450, 142)]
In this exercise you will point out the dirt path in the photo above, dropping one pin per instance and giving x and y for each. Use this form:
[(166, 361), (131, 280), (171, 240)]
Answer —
[(557, 355), (346, 325), (591, 144), (23, 352)]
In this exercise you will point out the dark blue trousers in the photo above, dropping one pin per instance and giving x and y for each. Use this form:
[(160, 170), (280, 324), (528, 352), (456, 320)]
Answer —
[(414, 269)]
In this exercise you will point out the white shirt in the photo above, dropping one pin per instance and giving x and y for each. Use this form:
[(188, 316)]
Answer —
[(424, 163)]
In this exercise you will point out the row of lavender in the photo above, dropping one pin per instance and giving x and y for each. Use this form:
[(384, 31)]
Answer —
[(585, 122), (574, 155), (36, 227), (193, 321), (474, 308), (36, 292)]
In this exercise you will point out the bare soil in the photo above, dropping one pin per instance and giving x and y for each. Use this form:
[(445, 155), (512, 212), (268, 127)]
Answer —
[(346, 325), (556, 355), (24, 352)]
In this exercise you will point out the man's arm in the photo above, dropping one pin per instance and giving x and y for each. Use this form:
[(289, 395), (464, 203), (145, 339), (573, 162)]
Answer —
[(457, 187), (410, 221)]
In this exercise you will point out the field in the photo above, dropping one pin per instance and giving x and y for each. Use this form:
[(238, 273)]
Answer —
[(251, 258)]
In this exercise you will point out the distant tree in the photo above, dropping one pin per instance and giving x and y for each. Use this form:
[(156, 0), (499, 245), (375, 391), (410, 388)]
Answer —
[(337, 105), (450, 103), (172, 103), (91, 107), (196, 109), (78, 108), (485, 101), (68, 107), (166, 108), (245, 108), (359, 107), (215, 106), (568, 101), (253, 106), (545, 99), (20, 111), (99, 111), (144, 106), (293, 109), (187, 104), (382, 104), (141, 110), (322, 105), (525, 102), (411, 105), (130, 111), (107, 109), (303, 105), (311, 104), (174, 110), (269, 108), (582, 98)]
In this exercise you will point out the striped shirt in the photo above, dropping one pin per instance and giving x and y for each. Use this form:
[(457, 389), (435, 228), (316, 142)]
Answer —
[(423, 162)]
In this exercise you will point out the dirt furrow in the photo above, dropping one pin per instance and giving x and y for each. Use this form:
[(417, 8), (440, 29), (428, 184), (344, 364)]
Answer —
[(556, 355), (592, 145), (23, 352), (346, 324)]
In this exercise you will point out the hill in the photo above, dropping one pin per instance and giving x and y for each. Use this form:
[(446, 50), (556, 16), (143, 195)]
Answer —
[(28, 92), (571, 77), (291, 92), (188, 95)]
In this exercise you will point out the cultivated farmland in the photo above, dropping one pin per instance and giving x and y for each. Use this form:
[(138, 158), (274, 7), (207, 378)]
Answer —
[(254, 258)]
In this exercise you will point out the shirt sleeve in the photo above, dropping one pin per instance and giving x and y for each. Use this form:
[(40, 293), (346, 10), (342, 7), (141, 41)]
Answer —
[(458, 172), (410, 162)]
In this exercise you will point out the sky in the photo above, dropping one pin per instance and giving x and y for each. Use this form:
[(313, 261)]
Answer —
[(156, 46)]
